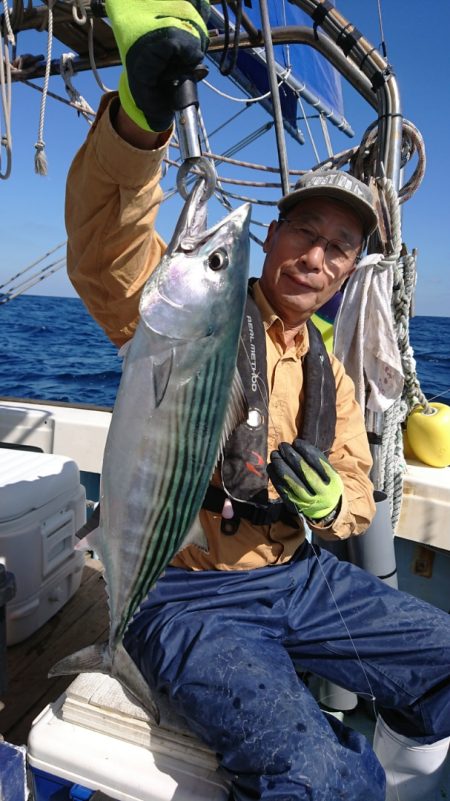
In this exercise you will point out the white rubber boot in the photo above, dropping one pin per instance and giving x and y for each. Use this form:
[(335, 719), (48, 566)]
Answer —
[(412, 770)]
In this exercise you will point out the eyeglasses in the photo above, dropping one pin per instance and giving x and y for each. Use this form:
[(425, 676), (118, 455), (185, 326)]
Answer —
[(336, 253)]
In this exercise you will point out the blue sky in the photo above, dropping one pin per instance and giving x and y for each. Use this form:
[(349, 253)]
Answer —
[(32, 207)]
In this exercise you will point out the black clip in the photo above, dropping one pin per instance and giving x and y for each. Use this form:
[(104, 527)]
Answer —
[(229, 527)]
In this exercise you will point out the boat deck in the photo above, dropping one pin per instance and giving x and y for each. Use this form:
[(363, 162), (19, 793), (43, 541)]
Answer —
[(81, 622)]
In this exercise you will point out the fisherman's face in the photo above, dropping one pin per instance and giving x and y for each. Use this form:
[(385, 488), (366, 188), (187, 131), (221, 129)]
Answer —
[(301, 272)]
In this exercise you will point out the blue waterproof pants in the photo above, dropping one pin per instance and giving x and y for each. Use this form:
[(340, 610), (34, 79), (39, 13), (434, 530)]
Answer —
[(225, 646)]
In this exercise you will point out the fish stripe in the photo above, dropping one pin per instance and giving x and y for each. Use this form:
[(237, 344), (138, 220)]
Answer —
[(180, 489), (178, 497)]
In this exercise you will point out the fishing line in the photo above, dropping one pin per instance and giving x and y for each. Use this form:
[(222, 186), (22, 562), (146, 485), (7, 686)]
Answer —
[(283, 77), (439, 395), (371, 695)]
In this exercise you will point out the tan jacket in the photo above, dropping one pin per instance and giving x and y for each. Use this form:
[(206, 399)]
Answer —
[(112, 199)]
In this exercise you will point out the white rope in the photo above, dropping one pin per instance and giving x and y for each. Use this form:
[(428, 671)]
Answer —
[(9, 31), (40, 160), (5, 92), (219, 192), (67, 72), (392, 463), (403, 265), (404, 285), (308, 128), (326, 135), (395, 233), (6, 83), (80, 17), (283, 78), (6, 95), (94, 69), (392, 440), (392, 457), (364, 157)]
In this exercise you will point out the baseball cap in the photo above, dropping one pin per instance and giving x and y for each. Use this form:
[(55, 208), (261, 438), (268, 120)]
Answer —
[(338, 185)]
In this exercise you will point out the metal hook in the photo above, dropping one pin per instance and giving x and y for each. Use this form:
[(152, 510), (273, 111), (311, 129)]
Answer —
[(79, 13), (202, 168)]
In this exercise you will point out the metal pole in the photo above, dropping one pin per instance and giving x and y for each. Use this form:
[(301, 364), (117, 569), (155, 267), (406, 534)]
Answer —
[(278, 117)]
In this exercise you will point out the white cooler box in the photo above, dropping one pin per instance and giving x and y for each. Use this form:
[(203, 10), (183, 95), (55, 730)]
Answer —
[(42, 505), (96, 739)]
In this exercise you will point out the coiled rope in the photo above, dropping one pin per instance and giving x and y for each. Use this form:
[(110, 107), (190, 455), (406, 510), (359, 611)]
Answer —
[(392, 462), (392, 451), (6, 42), (362, 158), (362, 164), (403, 266)]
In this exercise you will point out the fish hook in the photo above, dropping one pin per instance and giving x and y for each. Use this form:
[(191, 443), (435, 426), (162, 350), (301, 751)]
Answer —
[(202, 169)]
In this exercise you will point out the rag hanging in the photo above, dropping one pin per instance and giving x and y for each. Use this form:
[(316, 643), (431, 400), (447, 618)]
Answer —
[(364, 338)]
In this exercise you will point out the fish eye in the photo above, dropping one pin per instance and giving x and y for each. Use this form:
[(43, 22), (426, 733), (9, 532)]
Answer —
[(218, 260)]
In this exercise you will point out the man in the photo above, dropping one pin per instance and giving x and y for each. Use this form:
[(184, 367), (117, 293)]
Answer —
[(224, 632)]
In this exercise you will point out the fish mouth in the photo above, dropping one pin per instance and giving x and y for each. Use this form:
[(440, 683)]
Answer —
[(170, 301), (189, 241)]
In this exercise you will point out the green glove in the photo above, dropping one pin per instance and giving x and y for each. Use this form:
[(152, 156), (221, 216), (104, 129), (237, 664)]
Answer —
[(305, 480), (159, 42)]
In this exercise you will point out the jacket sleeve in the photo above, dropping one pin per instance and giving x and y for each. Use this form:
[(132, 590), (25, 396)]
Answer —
[(351, 457), (112, 199)]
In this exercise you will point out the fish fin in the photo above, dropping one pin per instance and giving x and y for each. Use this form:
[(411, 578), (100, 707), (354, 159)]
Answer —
[(161, 375), (89, 526), (237, 411), (195, 536), (97, 659), (125, 670), (93, 659)]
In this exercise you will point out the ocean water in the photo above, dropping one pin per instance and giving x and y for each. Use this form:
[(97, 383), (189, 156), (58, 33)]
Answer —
[(51, 349)]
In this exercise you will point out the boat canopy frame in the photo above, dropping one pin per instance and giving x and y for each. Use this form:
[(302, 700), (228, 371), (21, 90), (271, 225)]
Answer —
[(340, 42)]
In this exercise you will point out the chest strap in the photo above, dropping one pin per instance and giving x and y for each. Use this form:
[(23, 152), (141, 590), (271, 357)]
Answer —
[(272, 512)]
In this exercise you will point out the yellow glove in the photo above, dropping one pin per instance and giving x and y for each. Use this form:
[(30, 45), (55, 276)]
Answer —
[(159, 42), (305, 480)]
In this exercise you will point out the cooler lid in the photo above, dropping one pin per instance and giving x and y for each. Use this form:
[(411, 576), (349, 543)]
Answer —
[(99, 702), (30, 480)]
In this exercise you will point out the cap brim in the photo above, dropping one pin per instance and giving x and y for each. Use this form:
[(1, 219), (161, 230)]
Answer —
[(363, 209)]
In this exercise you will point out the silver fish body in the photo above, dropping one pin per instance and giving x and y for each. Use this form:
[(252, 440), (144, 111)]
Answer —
[(178, 398)]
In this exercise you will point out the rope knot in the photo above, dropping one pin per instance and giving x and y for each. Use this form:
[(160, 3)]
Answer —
[(40, 159)]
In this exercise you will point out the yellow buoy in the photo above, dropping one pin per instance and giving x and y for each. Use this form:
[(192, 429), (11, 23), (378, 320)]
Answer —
[(429, 434)]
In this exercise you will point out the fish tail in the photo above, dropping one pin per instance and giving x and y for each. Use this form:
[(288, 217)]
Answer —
[(118, 664), (93, 659), (126, 671)]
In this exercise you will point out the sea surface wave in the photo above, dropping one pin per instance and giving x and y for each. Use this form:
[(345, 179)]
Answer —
[(52, 349)]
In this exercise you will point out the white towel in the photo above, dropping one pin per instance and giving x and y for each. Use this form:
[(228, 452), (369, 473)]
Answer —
[(364, 336)]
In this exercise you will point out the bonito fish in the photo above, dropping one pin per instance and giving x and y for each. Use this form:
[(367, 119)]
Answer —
[(178, 399)]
